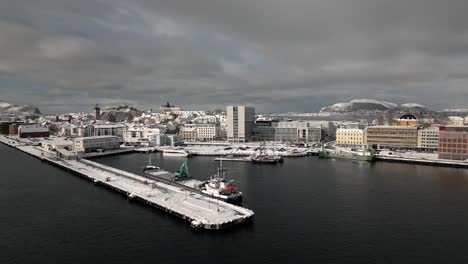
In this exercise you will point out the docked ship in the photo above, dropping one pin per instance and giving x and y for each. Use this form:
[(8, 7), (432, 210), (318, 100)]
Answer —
[(176, 153), (263, 158), (345, 154), (220, 188)]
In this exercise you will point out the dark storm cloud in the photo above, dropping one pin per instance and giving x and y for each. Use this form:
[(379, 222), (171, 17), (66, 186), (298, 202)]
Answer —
[(279, 55)]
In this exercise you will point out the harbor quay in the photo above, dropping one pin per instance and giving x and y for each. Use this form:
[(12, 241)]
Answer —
[(199, 210)]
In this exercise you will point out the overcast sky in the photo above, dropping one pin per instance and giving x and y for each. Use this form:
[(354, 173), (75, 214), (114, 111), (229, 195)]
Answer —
[(277, 55)]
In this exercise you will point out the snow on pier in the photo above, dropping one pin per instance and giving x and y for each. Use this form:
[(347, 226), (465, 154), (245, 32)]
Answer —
[(200, 210)]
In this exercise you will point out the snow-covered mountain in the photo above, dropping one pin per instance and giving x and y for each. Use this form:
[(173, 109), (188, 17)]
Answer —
[(370, 105), (7, 108)]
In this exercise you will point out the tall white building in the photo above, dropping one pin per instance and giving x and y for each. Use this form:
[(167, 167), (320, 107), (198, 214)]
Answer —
[(240, 123)]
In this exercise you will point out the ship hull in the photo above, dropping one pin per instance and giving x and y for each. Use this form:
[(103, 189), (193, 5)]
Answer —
[(236, 200), (172, 154), (255, 161)]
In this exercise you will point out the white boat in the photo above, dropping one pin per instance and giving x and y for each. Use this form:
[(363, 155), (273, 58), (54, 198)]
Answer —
[(176, 153)]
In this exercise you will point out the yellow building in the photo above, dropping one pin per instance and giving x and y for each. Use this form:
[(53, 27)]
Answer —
[(350, 137)]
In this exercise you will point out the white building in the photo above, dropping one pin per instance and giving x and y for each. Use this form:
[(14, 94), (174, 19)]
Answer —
[(110, 130), (240, 123), (456, 121), (87, 144), (428, 138), (350, 137), (140, 134), (466, 120)]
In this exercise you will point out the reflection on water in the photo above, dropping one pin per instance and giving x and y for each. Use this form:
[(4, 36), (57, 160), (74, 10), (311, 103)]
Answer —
[(307, 211)]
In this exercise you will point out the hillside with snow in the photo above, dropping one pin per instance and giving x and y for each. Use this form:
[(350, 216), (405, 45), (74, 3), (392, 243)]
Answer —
[(8, 108), (370, 105)]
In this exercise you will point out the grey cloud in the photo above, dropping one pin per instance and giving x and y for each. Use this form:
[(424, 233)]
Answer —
[(279, 55)]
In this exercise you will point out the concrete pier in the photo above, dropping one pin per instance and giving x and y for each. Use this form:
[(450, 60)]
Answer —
[(199, 210)]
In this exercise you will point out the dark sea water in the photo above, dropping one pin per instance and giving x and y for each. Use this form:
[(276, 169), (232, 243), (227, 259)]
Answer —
[(307, 211)]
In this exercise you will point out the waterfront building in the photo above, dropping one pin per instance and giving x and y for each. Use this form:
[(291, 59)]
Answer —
[(328, 128), (110, 130), (286, 131), (407, 120), (453, 142), (264, 130), (286, 134), (391, 136), (32, 131), (310, 134), (350, 137), (88, 144), (428, 138), (240, 123), (466, 120)]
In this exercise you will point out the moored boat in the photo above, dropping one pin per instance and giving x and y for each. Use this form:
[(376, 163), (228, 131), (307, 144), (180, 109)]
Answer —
[(176, 153), (220, 188)]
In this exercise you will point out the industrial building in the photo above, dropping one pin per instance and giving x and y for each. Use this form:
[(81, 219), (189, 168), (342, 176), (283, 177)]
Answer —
[(32, 131)]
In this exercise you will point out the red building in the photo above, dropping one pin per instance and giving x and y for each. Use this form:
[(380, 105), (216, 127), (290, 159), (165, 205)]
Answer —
[(453, 142)]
